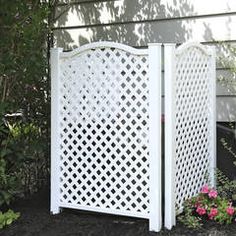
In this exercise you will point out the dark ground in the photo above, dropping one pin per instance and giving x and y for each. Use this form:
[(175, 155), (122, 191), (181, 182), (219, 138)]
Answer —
[(35, 219)]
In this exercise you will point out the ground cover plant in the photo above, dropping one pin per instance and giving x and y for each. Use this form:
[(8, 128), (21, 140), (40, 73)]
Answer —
[(208, 205)]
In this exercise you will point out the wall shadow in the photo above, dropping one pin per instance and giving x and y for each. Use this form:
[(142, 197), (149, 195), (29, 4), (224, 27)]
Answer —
[(134, 34)]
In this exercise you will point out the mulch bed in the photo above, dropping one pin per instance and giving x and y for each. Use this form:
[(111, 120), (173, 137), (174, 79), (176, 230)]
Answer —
[(36, 220)]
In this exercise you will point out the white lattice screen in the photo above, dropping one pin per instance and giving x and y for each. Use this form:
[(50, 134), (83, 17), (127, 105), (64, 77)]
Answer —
[(193, 122), (103, 130), (106, 128), (191, 100)]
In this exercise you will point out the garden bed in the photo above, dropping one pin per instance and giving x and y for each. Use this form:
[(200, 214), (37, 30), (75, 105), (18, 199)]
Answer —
[(35, 220)]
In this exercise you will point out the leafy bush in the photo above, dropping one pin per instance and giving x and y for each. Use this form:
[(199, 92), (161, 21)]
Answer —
[(8, 181), (24, 86), (29, 163), (22, 164), (8, 184)]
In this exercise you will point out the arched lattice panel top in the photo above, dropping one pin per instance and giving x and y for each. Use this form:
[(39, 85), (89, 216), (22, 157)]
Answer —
[(104, 159), (194, 116)]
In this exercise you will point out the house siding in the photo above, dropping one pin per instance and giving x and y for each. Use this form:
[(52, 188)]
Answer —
[(138, 22)]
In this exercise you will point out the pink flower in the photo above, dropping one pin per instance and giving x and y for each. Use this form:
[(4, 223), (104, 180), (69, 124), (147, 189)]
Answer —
[(213, 213), (201, 211), (212, 193), (205, 189), (230, 210)]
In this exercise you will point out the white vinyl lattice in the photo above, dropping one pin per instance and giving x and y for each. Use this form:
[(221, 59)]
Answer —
[(106, 128), (193, 116), (103, 118)]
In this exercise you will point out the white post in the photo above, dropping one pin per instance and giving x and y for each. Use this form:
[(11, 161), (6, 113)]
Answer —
[(213, 107), (154, 55), (55, 72), (169, 71)]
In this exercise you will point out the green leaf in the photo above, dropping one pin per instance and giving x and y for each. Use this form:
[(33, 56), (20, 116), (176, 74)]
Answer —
[(9, 221)]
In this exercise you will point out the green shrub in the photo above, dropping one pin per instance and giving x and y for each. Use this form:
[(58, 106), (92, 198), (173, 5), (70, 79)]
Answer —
[(24, 86), (8, 185), (8, 181)]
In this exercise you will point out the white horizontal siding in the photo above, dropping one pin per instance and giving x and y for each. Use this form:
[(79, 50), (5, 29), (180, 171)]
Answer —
[(97, 12), (138, 22), (221, 88), (226, 108), (139, 34)]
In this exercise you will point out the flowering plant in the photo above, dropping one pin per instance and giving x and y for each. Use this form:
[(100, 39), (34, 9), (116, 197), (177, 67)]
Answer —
[(208, 205)]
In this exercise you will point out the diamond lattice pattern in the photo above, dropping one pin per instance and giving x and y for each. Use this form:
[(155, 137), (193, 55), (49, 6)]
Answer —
[(193, 116), (104, 130)]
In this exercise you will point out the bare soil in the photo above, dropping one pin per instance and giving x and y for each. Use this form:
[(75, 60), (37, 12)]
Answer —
[(36, 220)]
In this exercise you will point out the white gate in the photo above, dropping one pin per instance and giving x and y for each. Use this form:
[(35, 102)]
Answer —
[(106, 130), (190, 124)]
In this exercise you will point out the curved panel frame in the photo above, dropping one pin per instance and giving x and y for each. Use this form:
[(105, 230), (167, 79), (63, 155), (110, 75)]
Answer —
[(104, 44), (105, 154), (190, 156)]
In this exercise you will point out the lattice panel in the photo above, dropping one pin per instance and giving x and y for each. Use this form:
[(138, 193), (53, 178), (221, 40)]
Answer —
[(193, 122), (104, 159)]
